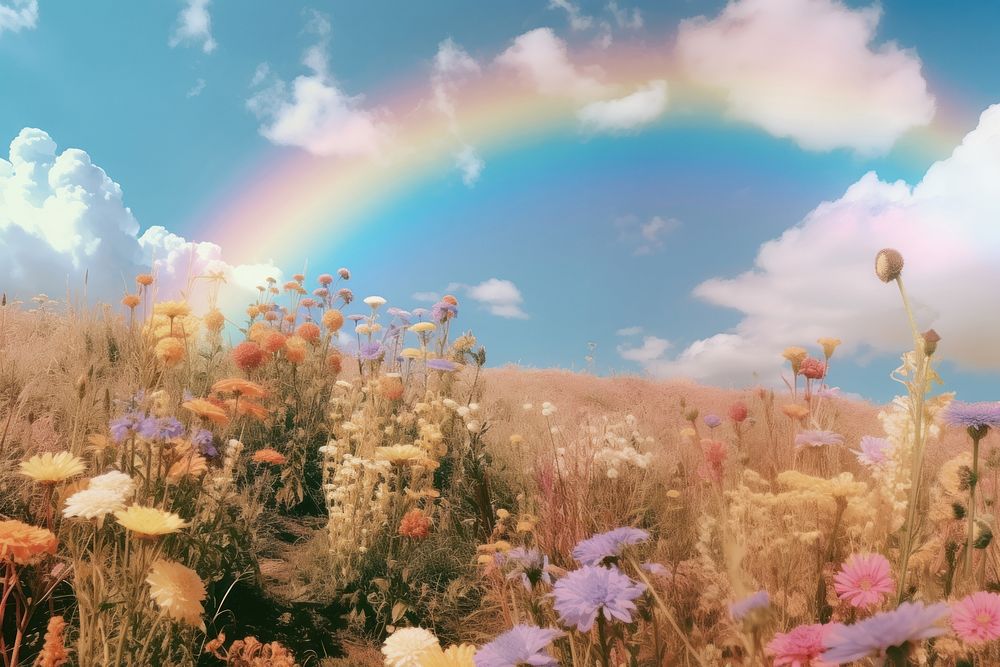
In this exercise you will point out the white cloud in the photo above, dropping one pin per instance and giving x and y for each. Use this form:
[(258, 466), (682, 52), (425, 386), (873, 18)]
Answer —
[(640, 108), (652, 349), (197, 88), (313, 113), (470, 163), (808, 70), (18, 15), (645, 237), (194, 24), (629, 331), (630, 19), (577, 19), (543, 59), (817, 278), (428, 297), (501, 297), (62, 218)]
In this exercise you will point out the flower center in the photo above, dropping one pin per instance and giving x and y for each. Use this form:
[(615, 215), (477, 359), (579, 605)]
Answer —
[(983, 618), (865, 584)]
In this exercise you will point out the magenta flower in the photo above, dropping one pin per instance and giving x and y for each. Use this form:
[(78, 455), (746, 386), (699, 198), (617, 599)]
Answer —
[(864, 580), (583, 594), (895, 632), (799, 647), (976, 617)]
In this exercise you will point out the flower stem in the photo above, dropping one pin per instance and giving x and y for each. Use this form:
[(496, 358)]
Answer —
[(973, 483)]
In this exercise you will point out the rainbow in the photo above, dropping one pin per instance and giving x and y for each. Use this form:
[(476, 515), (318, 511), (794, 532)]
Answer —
[(290, 195)]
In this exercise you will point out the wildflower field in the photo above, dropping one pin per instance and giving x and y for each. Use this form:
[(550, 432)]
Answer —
[(173, 499)]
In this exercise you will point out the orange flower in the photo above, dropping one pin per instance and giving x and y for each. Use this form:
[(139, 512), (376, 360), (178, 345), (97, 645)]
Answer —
[(391, 387), (295, 349), (54, 651), (206, 410), (247, 407), (415, 525), (129, 301), (333, 319), (273, 341), (239, 386), (23, 543), (144, 279), (170, 351), (309, 331), (448, 298), (214, 320), (270, 456), (334, 362), (248, 356), (795, 411)]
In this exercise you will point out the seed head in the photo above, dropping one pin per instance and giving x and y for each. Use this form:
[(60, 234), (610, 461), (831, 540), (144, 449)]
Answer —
[(888, 264)]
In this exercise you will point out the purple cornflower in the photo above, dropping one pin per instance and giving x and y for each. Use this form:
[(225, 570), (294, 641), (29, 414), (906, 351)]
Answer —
[(443, 310), (607, 546), (203, 439), (817, 439), (975, 416), (742, 608), (125, 425), (160, 428), (889, 632), (400, 313), (873, 452), (442, 365), (712, 421), (521, 645), (371, 351), (529, 565), (420, 312), (583, 594)]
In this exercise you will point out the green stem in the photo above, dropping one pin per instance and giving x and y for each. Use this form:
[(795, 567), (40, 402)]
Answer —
[(973, 483)]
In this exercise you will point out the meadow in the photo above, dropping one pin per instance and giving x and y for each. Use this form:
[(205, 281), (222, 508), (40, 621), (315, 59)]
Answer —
[(187, 488)]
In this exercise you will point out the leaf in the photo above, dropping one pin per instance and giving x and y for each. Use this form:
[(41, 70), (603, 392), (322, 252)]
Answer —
[(398, 610)]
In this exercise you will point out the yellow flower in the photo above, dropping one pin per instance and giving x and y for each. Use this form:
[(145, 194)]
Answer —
[(423, 327), (149, 521), (795, 411), (795, 355), (411, 353), (172, 309), (829, 345), (170, 351), (454, 656), (400, 454), (178, 591), (214, 320), (51, 468)]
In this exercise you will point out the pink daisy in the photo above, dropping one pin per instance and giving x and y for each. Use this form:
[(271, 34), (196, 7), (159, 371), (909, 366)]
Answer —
[(864, 579), (976, 617), (799, 647)]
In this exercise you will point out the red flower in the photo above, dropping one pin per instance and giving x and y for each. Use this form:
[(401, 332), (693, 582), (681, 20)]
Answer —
[(415, 525), (814, 369), (248, 356), (738, 411)]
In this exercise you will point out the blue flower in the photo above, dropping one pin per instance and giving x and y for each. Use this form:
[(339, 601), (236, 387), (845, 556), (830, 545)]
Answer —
[(443, 310), (712, 421), (163, 428), (203, 439), (529, 565), (521, 645), (371, 351), (125, 425), (441, 365), (607, 546), (973, 415), (899, 629), (583, 594), (742, 608)]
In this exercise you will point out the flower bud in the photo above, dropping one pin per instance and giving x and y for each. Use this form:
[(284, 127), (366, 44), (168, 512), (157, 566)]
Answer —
[(931, 339), (888, 264)]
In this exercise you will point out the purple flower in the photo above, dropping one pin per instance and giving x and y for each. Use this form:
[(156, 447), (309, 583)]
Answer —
[(371, 351), (203, 439), (908, 624), (400, 313), (420, 312), (583, 594), (521, 645), (125, 425), (355, 317), (712, 421), (741, 608), (442, 310), (817, 439), (529, 565), (973, 415), (656, 569), (163, 428), (604, 546), (442, 365), (873, 452)]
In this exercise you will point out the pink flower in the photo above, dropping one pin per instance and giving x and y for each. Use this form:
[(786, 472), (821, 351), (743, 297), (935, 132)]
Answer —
[(976, 617), (800, 647), (714, 452), (814, 369), (864, 579)]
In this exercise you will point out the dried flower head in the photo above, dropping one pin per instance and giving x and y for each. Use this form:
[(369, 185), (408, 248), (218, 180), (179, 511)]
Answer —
[(888, 264)]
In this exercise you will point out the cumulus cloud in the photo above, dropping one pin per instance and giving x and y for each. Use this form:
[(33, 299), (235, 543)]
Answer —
[(427, 297), (543, 59), (651, 349), (501, 297), (808, 70), (577, 19), (452, 66), (644, 236), (313, 112), (817, 278), (194, 25), (63, 219), (18, 15), (627, 113)]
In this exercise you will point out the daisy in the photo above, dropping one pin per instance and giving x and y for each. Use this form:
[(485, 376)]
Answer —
[(976, 617), (864, 580)]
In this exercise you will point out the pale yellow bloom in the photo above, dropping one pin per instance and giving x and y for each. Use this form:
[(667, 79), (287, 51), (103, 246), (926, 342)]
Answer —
[(423, 327), (149, 521), (178, 591), (453, 656), (51, 468)]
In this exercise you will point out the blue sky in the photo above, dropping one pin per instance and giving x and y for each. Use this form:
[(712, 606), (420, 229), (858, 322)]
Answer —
[(561, 215)]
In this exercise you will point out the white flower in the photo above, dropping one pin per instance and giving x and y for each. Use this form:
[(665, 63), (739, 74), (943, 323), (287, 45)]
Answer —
[(406, 646), (374, 302), (113, 480), (528, 406), (473, 426), (93, 503)]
